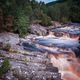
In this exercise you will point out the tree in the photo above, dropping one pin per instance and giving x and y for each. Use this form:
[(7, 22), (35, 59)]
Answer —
[(21, 22), (45, 20), (75, 10)]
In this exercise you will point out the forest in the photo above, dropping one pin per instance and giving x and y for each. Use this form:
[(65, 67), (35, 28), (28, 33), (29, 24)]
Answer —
[(22, 13)]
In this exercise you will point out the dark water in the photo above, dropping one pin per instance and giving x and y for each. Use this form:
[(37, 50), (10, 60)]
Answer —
[(33, 48), (77, 51), (30, 47)]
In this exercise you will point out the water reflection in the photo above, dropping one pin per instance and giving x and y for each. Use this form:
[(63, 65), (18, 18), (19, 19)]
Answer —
[(58, 42), (52, 45)]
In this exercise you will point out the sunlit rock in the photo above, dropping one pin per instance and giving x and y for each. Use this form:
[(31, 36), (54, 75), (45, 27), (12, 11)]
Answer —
[(38, 29), (10, 38)]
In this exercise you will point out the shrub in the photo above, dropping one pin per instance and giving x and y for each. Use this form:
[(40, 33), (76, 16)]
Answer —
[(21, 22), (5, 67), (45, 20), (65, 20)]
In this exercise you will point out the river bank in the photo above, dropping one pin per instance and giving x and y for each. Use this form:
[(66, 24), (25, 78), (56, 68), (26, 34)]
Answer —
[(44, 57)]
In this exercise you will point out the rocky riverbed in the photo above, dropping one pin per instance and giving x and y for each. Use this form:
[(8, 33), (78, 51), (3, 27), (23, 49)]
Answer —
[(47, 57), (25, 64)]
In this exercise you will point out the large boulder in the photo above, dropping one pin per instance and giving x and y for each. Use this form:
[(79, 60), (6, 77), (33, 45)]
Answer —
[(38, 29), (10, 38)]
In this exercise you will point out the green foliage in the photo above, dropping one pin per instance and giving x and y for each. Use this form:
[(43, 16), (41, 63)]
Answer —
[(75, 10), (5, 67), (59, 11), (36, 14), (21, 22), (65, 20), (45, 20), (27, 11), (55, 13), (64, 10)]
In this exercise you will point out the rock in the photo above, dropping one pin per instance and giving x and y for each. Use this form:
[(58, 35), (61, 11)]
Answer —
[(50, 68), (10, 38), (38, 29), (10, 76), (31, 66), (55, 24)]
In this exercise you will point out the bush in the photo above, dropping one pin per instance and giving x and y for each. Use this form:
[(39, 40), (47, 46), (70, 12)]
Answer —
[(64, 20), (21, 22), (5, 67), (45, 20)]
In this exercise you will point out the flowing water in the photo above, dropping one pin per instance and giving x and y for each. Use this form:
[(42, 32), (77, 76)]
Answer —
[(63, 45)]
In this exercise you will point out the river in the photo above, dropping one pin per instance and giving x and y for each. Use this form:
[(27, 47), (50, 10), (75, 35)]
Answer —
[(63, 46)]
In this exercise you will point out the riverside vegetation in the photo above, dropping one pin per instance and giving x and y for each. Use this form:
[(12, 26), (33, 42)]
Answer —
[(25, 12)]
